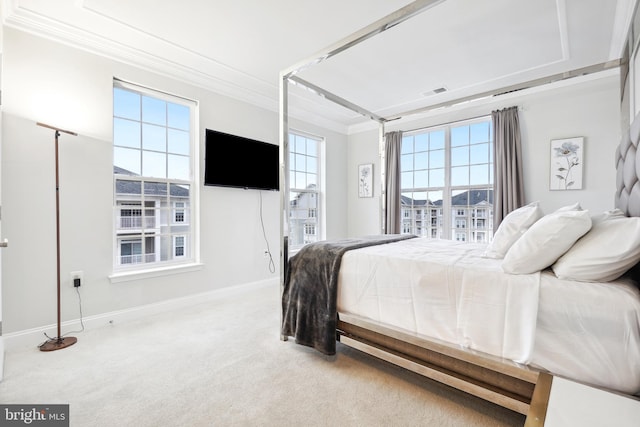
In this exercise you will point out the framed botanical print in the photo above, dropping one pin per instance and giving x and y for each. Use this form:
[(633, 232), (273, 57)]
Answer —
[(567, 158), (365, 180)]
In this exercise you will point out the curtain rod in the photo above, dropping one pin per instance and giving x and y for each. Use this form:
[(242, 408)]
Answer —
[(145, 89), (448, 123), (458, 121)]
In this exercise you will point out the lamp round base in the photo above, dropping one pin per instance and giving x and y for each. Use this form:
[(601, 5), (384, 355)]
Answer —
[(58, 343)]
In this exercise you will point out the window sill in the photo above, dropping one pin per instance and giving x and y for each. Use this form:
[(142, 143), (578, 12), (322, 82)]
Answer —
[(127, 276)]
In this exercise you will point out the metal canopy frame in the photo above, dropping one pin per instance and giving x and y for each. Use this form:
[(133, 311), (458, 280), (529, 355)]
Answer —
[(395, 18), (289, 74)]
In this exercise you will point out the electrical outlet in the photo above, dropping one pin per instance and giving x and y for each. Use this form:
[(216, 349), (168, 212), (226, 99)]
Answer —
[(76, 278)]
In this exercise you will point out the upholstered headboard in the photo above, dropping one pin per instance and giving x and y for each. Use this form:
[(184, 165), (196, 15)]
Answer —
[(627, 197)]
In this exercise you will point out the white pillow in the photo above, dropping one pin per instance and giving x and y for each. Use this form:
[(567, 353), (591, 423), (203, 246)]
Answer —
[(606, 252), (511, 228), (573, 207), (546, 240)]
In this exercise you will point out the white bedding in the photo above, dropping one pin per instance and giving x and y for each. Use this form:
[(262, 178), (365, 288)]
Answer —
[(448, 290), (590, 332)]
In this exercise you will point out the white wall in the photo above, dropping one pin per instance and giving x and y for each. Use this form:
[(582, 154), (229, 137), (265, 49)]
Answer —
[(48, 82), (587, 106), (364, 213)]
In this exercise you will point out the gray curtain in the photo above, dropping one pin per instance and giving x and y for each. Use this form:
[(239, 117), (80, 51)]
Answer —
[(508, 183), (393, 142)]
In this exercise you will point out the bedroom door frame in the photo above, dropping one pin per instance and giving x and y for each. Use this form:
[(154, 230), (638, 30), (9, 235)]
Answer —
[(3, 243)]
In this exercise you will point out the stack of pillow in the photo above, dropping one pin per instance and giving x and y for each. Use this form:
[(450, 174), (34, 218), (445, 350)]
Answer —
[(576, 245)]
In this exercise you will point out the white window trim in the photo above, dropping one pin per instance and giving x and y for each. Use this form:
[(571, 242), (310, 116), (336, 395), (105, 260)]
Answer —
[(127, 276), (321, 214), (124, 274)]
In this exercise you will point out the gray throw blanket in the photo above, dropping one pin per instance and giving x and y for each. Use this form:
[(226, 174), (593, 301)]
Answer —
[(309, 298)]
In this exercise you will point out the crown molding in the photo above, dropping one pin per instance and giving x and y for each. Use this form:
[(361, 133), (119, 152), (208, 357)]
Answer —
[(189, 67)]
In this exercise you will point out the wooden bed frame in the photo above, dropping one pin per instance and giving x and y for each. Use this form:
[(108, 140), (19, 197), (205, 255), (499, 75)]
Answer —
[(503, 382)]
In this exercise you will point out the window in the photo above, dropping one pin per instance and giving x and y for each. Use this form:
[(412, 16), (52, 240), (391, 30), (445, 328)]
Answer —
[(304, 192), (153, 148), (131, 251), (447, 173), (178, 245), (130, 218), (178, 212)]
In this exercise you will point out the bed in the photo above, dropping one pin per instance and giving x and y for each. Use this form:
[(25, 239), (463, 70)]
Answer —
[(448, 291), (496, 326), (449, 311)]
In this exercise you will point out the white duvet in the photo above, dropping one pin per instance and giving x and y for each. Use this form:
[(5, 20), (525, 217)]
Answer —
[(448, 290)]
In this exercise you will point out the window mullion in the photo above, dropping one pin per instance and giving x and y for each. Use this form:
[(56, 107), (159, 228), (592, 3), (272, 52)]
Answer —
[(143, 225), (446, 194)]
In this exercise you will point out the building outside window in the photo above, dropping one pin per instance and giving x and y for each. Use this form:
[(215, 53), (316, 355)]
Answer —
[(447, 181), (153, 146), (178, 216), (178, 245), (304, 191), (130, 251)]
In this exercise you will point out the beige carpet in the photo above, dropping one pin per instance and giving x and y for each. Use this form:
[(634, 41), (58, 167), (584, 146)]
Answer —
[(221, 363)]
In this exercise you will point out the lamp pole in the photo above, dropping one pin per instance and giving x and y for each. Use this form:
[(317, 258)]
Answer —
[(58, 342)]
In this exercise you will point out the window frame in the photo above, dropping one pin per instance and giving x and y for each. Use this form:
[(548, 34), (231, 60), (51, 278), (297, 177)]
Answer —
[(443, 224), (159, 267), (316, 214)]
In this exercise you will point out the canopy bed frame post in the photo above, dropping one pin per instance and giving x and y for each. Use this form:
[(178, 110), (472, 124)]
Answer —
[(284, 181), (382, 154)]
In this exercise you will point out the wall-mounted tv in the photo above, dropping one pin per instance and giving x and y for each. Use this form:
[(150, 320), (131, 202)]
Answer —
[(236, 161)]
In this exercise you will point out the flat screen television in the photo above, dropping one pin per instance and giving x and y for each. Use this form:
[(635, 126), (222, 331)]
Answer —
[(239, 162)]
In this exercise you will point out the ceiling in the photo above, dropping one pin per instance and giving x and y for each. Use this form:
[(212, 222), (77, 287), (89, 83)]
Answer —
[(239, 47)]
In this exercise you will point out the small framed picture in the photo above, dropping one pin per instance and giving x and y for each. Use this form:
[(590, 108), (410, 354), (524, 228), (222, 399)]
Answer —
[(365, 180), (567, 158)]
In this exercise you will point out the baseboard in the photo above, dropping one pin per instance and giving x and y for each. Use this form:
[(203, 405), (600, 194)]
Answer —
[(36, 336)]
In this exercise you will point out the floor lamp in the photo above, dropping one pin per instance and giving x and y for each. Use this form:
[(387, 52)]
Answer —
[(58, 342)]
